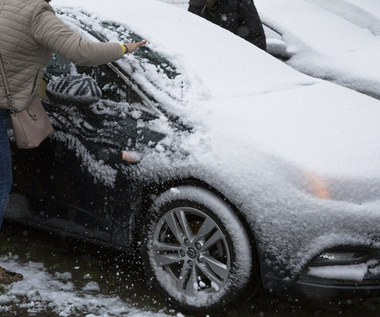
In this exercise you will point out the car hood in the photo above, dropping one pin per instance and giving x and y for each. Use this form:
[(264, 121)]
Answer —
[(321, 139), (322, 127)]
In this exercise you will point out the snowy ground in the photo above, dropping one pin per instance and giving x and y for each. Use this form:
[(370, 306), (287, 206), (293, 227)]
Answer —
[(57, 292), (62, 280)]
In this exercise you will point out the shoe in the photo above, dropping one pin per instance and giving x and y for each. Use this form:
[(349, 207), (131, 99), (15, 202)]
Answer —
[(8, 277)]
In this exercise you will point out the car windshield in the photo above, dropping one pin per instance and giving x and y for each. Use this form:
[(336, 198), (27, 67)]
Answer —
[(147, 68)]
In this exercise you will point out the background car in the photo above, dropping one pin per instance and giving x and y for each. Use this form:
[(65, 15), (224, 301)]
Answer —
[(227, 171), (334, 40)]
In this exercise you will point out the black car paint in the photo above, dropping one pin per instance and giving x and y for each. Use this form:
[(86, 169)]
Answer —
[(64, 196), (62, 193)]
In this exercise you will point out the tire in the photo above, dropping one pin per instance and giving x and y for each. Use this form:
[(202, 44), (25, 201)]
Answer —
[(196, 251)]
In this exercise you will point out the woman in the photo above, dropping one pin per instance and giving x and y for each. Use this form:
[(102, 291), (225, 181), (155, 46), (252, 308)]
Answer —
[(29, 32)]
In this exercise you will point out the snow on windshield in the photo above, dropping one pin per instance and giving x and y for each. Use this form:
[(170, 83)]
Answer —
[(211, 69), (159, 78)]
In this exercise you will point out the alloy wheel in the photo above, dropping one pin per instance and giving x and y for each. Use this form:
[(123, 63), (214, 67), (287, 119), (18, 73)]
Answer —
[(192, 249)]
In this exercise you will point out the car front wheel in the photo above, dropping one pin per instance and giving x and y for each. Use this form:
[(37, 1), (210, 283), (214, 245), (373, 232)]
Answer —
[(196, 250)]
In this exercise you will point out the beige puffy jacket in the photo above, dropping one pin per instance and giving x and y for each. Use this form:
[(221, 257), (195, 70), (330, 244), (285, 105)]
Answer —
[(29, 32)]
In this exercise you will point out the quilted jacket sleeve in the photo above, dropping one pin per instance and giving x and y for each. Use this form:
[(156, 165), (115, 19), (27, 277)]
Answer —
[(52, 33)]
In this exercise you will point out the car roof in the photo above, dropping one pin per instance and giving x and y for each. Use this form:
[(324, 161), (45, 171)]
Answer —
[(333, 40), (218, 63)]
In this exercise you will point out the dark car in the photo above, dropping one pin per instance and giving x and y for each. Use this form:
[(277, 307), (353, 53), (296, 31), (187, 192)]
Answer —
[(225, 172)]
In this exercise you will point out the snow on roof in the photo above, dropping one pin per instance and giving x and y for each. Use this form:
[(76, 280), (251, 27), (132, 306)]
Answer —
[(370, 6), (334, 40), (243, 102), (364, 14), (221, 64)]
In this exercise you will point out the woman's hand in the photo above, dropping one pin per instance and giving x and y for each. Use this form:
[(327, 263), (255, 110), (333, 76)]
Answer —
[(134, 46)]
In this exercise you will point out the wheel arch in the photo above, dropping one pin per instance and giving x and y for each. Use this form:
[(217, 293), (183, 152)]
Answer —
[(153, 190), (149, 192)]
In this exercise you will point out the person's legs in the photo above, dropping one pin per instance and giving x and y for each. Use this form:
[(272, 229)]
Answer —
[(5, 165), (6, 277)]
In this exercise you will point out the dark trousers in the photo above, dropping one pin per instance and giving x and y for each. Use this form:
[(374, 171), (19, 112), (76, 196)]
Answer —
[(5, 165), (237, 16)]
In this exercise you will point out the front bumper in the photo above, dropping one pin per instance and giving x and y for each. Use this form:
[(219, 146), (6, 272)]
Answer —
[(319, 291), (341, 272)]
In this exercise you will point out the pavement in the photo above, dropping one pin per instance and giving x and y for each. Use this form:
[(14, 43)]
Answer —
[(120, 278)]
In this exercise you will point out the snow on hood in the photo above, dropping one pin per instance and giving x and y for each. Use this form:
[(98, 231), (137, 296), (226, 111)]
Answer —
[(322, 128)]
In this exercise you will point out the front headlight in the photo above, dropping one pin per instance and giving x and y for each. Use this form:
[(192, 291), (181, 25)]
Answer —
[(316, 185)]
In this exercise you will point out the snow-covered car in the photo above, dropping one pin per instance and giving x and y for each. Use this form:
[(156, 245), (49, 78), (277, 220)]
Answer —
[(226, 167), (335, 40)]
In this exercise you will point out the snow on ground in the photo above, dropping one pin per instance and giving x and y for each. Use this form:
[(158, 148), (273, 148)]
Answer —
[(40, 290)]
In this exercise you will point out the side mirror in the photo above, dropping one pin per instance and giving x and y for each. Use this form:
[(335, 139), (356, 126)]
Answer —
[(77, 90)]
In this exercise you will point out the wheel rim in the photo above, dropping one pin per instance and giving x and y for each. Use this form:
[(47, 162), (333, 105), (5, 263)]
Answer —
[(192, 250)]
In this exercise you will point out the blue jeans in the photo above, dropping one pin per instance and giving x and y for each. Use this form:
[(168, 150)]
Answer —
[(5, 165)]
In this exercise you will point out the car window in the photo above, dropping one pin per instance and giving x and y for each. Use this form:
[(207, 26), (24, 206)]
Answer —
[(144, 55), (150, 70), (113, 87), (58, 66), (120, 111)]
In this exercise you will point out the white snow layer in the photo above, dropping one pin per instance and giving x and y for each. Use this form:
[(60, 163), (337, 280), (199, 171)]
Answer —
[(309, 122), (59, 294), (260, 127), (337, 40), (370, 6), (330, 39), (354, 272)]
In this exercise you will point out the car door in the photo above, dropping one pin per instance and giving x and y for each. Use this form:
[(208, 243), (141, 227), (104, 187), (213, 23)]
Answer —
[(70, 179), (89, 143)]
